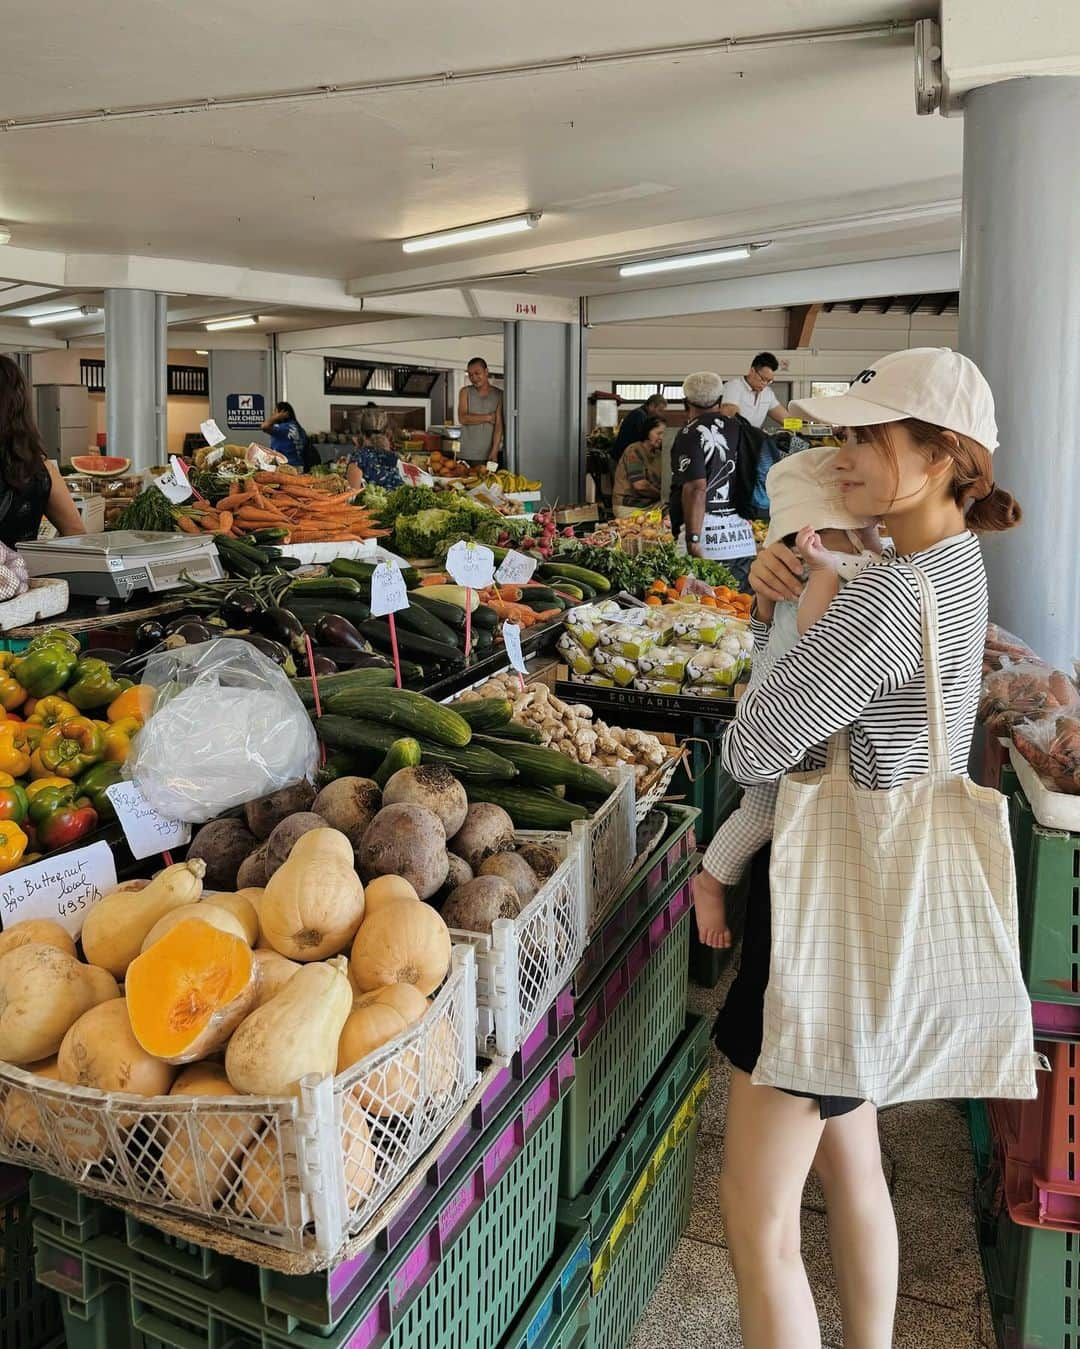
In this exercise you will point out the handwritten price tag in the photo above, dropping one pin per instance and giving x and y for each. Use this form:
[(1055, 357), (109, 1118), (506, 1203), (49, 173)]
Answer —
[(212, 433), (471, 564), (512, 637), (62, 888), (174, 484), (388, 593), (516, 569), (147, 832)]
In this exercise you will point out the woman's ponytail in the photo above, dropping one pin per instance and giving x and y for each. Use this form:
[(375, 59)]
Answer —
[(996, 511)]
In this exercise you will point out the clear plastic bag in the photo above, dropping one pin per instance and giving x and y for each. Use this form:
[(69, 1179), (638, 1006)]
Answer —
[(1026, 691), (227, 727), (1052, 746), (1003, 649)]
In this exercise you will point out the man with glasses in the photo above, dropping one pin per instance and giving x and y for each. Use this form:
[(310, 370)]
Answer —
[(752, 395)]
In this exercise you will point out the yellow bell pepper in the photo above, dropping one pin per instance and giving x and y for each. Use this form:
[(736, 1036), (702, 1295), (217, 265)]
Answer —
[(39, 784), (118, 737), (12, 693), (13, 843), (6, 780), (48, 711), (14, 749)]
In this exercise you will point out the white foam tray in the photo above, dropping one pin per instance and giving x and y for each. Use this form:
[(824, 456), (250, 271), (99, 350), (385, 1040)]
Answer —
[(1052, 809), (47, 597)]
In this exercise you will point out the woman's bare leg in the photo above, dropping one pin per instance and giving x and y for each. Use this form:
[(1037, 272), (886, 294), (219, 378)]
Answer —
[(862, 1228), (769, 1146)]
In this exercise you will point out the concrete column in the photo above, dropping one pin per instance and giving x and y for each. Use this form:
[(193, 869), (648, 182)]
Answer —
[(135, 357), (1019, 307)]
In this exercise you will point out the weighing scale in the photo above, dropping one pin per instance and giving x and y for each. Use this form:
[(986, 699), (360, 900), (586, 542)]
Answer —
[(117, 563)]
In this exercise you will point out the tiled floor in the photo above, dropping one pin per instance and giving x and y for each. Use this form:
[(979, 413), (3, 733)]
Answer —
[(942, 1293)]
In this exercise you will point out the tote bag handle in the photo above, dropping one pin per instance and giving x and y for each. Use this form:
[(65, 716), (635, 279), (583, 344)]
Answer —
[(838, 758)]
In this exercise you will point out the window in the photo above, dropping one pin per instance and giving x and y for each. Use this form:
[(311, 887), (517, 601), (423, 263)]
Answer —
[(828, 388), (341, 376), (381, 381), (182, 381), (637, 392), (92, 375)]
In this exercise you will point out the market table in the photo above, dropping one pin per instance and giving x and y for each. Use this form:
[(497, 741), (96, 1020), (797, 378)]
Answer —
[(87, 614)]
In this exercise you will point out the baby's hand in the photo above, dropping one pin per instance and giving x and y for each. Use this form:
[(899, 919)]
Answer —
[(814, 553)]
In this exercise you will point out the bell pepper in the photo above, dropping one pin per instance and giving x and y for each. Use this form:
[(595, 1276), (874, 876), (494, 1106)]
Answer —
[(46, 668), (12, 693), (70, 747), (44, 802), (93, 785), (92, 685), (118, 736), (61, 822), (39, 784), (48, 711), (13, 843), (137, 701), (56, 637), (14, 803), (15, 749)]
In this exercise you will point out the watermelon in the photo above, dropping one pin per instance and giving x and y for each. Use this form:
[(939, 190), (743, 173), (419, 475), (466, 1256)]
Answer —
[(100, 465)]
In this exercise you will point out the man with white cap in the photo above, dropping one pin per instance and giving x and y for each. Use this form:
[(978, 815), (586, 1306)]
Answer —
[(712, 479)]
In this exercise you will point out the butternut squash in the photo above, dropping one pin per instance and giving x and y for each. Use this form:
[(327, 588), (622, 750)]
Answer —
[(274, 972), (243, 910), (382, 888), (393, 1088), (401, 943), (293, 1034), (43, 991), (207, 911), (20, 1119), (116, 928), (190, 989), (405, 999), (42, 930), (441, 1058), (218, 1139), (314, 903), (100, 1050)]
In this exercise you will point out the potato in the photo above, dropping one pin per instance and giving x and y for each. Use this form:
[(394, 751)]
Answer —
[(223, 845), (264, 815), (488, 829), (349, 805), (280, 843), (406, 841)]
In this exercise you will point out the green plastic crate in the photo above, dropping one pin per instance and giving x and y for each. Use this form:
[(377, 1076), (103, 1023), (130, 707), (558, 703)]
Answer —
[(627, 1025), (557, 1315), (29, 1312), (1048, 886), (1033, 1278), (982, 1138)]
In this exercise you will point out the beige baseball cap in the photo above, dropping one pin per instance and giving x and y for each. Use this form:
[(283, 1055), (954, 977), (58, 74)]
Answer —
[(804, 489), (934, 384)]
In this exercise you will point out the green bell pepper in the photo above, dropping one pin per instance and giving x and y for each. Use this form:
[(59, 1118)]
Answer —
[(93, 785), (45, 802), (92, 685), (71, 747), (46, 669), (14, 803), (61, 822), (56, 637)]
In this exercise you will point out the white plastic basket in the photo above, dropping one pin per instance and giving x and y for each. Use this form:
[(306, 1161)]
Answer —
[(659, 782), (609, 844), (282, 1172), (526, 962)]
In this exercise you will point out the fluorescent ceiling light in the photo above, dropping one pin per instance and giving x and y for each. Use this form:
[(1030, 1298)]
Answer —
[(219, 325), (200, 352), (63, 316), (5, 235), (511, 224), (684, 260)]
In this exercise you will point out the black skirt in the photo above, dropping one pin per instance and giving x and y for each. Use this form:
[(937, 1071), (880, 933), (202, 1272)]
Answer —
[(739, 1024)]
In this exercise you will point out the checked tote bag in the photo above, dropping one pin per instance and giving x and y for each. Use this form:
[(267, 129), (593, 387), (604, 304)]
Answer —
[(895, 969)]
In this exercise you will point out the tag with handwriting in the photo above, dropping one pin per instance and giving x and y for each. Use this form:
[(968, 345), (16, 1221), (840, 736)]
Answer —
[(388, 593), (147, 832), (62, 888), (212, 433), (471, 564), (174, 484), (516, 569), (512, 637)]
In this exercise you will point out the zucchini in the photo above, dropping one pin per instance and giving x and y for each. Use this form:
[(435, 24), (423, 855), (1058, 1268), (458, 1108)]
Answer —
[(450, 614), (418, 619), (485, 618), (537, 592), (409, 711), (310, 610), (357, 736), (482, 640), (548, 768), (528, 808), (403, 753), (516, 730), (271, 534), (333, 587), (483, 714), (568, 572), (344, 765), (241, 549), (377, 631), (450, 594), (362, 571), (344, 681), (539, 606)]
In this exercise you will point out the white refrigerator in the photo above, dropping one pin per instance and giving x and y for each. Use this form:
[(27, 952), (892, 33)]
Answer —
[(63, 418)]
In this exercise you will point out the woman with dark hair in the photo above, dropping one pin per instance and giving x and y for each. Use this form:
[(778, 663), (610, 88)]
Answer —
[(30, 482), (639, 470), (287, 436)]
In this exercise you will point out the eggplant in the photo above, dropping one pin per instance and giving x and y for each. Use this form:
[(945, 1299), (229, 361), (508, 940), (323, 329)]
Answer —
[(240, 608), (333, 630), (277, 653), (281, 626), (192, 630), (348, 658), (149, 634), (323, 666)]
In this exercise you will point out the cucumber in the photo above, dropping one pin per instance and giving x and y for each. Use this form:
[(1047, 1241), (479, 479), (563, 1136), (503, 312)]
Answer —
[(528, 808), (548, 768), (450, 614), (418, 619), (345, 681), (483, 714), (408, 711), (377, 631), (485, 618), (356, 736), (403, 753), (554, 571), (332, 587), (342, 764), (516, 730)]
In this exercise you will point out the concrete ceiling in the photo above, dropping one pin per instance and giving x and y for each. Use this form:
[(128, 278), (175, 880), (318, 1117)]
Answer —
[(816, 147)]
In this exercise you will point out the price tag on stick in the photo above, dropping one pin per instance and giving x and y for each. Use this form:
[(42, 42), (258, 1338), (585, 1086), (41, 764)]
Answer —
[(147, 832), (512, 638), (62, 888), (388, 596), (212, 433), (174, 484), (516, 569), (471, 565)]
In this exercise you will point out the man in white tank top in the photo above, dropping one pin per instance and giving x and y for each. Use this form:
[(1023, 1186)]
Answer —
[(480, 415)]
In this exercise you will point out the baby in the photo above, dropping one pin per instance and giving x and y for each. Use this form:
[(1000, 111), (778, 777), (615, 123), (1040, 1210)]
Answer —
[(835, 546)]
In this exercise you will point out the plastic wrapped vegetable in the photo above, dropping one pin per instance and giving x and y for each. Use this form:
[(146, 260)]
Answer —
[(227, 727), (1002, 649), (14, 578), (1052, 747), (1026, 691)]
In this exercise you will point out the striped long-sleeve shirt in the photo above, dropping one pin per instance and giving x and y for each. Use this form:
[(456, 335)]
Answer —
[(861, 666)]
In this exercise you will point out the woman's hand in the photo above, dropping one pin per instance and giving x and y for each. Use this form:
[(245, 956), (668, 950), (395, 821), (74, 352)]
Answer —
[(776, 574)]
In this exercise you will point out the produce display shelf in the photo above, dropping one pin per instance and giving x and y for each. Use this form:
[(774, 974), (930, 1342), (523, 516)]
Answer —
[(666, 711), (626, 1026), (1032, 1279), (539, 638), (460, 1276), (557, 1315), (29, 1312), (1048, 890)]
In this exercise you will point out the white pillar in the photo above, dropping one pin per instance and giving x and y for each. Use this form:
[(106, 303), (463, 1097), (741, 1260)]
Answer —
[(135, 357), (1020, 321)]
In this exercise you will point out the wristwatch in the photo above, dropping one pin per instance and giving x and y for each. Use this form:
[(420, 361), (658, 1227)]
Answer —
[(693, 538)]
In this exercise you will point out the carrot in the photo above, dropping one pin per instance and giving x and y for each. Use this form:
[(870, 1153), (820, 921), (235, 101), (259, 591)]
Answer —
[(438, 579), (187, 525), (225, 522)]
